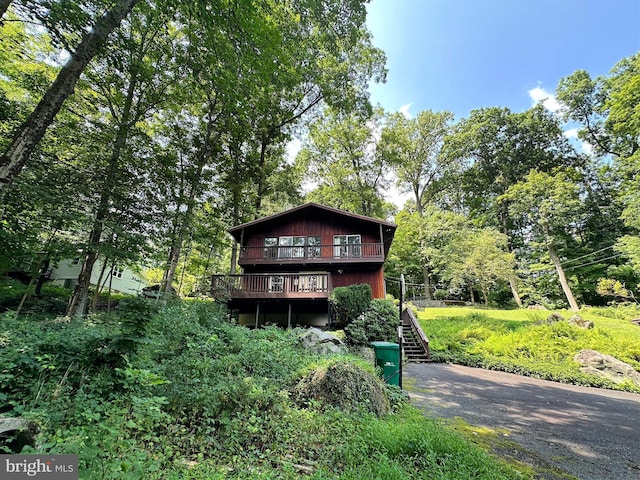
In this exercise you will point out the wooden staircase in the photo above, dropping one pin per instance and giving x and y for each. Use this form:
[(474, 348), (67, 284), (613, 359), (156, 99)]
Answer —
[(414, 341)]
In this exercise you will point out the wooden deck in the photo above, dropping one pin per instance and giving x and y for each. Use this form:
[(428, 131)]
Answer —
[(280, 255), (272, 286)]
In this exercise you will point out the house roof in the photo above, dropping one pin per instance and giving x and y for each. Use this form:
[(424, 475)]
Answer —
[(388, 228)]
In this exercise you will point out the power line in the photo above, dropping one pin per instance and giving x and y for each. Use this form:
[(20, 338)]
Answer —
[(595, 261), (598, 260), (587, 255)]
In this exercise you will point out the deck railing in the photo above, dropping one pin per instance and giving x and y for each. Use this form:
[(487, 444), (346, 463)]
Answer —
[(332, 253), (272, 285)]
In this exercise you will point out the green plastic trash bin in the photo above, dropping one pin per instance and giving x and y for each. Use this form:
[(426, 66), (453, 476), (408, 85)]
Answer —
[(388, 359)]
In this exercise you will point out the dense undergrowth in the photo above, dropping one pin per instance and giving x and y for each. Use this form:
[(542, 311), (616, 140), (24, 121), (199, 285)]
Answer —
[(178, 392), (518, 341)]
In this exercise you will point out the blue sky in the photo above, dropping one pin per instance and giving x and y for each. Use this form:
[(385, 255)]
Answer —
[(459, 55)]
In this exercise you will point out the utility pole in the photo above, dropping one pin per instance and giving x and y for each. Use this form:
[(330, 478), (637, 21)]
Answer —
[(402, 294)]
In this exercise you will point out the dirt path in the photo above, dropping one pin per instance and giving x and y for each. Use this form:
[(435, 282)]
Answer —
[(589, 433)]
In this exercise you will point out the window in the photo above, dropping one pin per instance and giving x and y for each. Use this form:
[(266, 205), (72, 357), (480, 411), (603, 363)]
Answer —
[(298, 244), (116, 272), (271, 247), (75, 261), (311, 282), (292, 247), (276, 284), (347, 246), (313, 249), (285, 250)]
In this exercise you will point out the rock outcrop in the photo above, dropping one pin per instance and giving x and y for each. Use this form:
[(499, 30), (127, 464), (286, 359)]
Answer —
[(580, 322), (606, 366), (322, 343)]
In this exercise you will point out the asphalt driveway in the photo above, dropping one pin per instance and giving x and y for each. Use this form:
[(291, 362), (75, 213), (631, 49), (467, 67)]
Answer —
[(590, 433)]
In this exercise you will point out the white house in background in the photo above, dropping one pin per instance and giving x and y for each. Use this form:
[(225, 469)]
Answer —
[(121, 278)]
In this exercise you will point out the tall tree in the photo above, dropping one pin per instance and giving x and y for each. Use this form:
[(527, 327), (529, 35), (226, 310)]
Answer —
[(607, 110), (501, 147), (269, 68), (27, 137), (478, 258), (413, 147), (128, 83), (548, 206), (340, 155)]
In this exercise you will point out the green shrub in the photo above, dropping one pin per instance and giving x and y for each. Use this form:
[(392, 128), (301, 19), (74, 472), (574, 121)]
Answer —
[(349, 302), (343, 385), (622, 310), (378, 323), (204, 399), (135, 314), (440, 294), (52, 300), (11, 292)]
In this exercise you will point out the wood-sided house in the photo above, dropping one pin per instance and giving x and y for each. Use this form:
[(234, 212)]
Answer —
[(291, 262)]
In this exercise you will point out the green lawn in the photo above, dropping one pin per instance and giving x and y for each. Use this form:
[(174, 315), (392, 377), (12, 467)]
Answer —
[(515, 341)]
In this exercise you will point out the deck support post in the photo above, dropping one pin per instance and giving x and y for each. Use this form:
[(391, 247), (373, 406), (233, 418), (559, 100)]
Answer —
[(257, 314)]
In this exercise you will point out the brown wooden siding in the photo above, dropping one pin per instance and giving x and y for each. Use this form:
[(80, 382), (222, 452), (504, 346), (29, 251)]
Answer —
[(324, 228), (373, 278)]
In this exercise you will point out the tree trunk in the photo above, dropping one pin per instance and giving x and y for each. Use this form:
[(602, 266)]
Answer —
[(260, 184), (234, 258), (42, 276), (4, 6), (416, 194), (427, 283), (113, 266), (80, 296), (563, 279), (26, 295), (172, 265), (99, 287), (485, 296), (514, 292), (31, 132), (78, 307)]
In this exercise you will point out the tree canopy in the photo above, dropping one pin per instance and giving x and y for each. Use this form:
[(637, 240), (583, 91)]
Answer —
[(134, 133)]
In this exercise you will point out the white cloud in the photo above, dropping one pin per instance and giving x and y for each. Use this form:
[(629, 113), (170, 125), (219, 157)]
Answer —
[(571, 133), (404, 110), (586, 147), (549, 100), (583, 147)]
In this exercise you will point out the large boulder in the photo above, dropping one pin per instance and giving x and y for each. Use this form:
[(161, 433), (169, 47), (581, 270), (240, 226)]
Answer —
[(345, 386), (551, 319), (606, 366), (322, 343), (580, 322), (15, 433)]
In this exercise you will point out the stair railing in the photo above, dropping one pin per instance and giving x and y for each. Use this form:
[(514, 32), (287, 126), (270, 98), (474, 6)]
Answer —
[(412, 321)]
